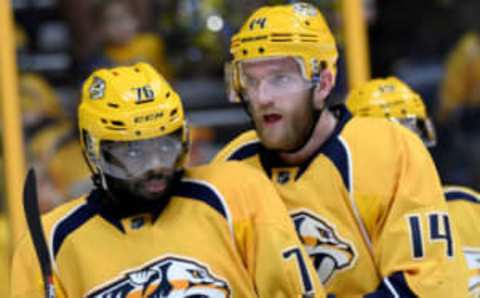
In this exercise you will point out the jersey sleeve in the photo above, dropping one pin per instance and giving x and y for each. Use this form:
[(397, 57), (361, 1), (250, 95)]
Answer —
[(416, 246), (271, 250), (26, 278)]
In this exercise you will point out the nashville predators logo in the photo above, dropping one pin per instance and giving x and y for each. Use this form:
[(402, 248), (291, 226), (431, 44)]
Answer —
[(327, 250), (169, 277)]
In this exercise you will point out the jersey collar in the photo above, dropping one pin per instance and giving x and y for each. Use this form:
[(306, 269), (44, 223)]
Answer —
[(97, 201)]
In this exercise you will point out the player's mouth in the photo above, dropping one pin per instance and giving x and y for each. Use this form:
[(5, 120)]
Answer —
[(156, 185), (270, 119)]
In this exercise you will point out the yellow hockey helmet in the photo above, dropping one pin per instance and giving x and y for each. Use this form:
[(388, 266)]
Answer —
[(295, 30), (128, 104), (395, 100)]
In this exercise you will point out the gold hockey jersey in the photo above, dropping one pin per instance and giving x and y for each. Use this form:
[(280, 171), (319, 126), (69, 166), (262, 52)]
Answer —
[(223, 233), (369, 208), (464, 208)]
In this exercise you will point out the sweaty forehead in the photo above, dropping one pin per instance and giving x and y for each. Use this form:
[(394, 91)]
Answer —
[(266, 66)]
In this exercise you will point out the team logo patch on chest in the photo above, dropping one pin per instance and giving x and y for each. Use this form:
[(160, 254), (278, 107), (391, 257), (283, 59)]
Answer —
[(329, 252), (169, 277)]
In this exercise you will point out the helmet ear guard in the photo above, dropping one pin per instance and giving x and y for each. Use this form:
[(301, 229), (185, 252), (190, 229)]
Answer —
[(393, 99)]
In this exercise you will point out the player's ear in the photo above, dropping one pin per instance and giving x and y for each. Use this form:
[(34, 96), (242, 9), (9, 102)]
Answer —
[(323, 89)]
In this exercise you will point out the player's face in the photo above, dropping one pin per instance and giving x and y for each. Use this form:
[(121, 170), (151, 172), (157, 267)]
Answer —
[(152, 184), (120, 26), (147, 165), (279, 100)]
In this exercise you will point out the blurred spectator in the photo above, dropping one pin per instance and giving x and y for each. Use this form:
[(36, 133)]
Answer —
[(57, 155), (461, 84), (50, 148), (40, 105), (116, 30), (82, 22), (459, 108), (67, 169)]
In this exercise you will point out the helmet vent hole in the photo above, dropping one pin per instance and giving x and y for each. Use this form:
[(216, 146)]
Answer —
[(167, 95), (173, 112), (245, 52), (117, 123), (387, 115), (261, 50), (115, 73), (307, 23), (136, 69), (113, 105), (162, 128), (404, 112), (138, 133), (104, 121)]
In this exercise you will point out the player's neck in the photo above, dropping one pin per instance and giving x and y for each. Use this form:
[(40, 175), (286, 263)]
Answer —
[(324, 128)]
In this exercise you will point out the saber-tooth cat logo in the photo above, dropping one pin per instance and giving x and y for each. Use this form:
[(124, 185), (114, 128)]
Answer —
[(169, 277), (330, 253)]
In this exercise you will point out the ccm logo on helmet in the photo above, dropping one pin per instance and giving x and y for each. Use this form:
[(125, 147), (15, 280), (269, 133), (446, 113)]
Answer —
[(148, 117)]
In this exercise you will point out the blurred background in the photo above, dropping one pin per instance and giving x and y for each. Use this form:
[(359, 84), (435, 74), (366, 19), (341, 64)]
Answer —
[(433, 45)]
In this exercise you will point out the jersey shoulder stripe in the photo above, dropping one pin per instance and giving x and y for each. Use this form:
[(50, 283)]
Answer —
[(453, 193), (337, 152), (68, 224), (245, 150), (205, 192)]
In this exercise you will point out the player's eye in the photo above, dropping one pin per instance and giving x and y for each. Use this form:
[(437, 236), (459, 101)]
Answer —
[(134, 151), (250, 82), (280, 79)]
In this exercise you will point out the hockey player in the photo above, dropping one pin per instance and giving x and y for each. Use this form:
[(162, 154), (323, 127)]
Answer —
[(393, 99), (363, 193), (152, 228)]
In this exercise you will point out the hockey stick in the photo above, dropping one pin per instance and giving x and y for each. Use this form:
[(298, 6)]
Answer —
[(32, 214)]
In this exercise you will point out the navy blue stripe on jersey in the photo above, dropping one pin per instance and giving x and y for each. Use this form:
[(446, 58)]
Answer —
[(245, 151), (393, 286), (201, 191), (338, 154), (69, 224), (459, 195), (331, 147)]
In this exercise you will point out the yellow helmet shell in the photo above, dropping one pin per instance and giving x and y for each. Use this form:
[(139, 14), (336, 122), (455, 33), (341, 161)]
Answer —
[(127, 104), (296, 30), (387, 97), (393, 99)]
